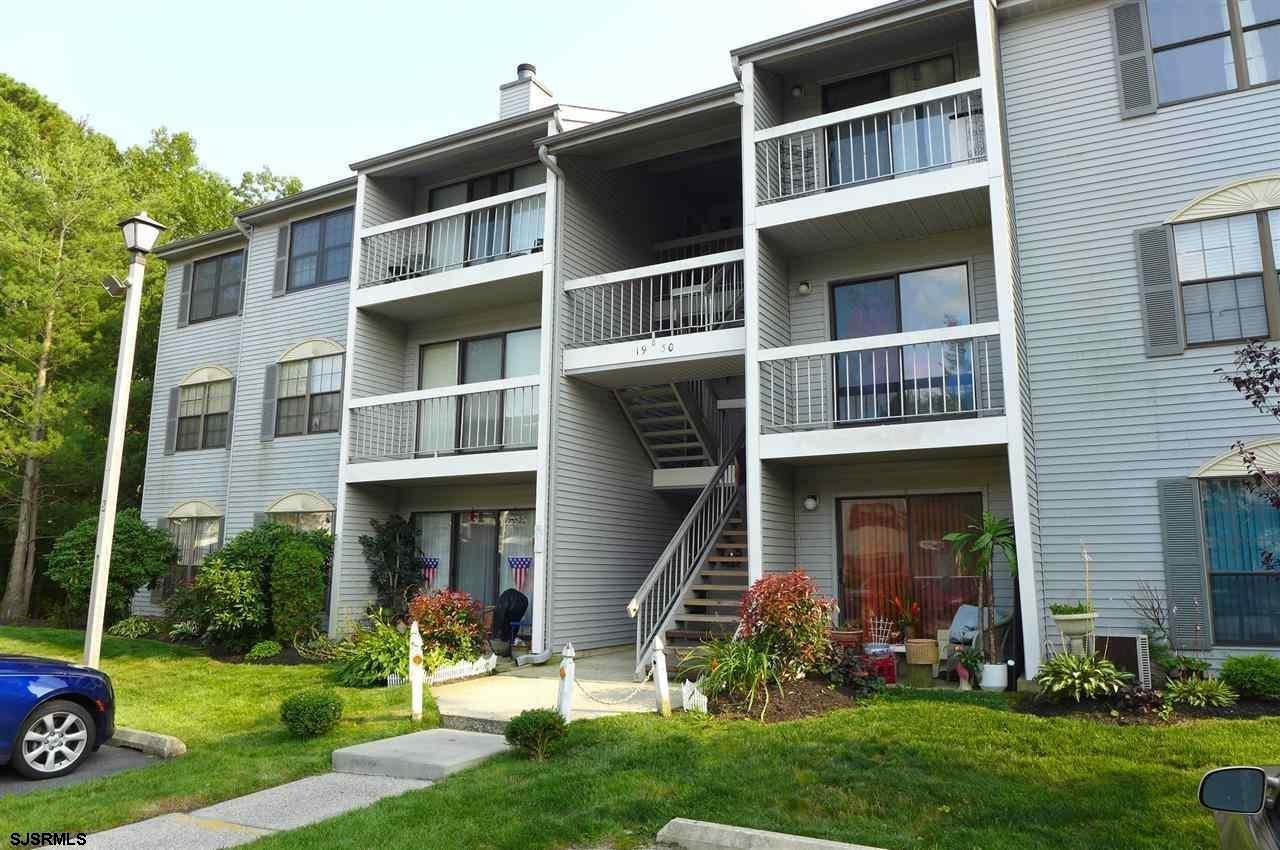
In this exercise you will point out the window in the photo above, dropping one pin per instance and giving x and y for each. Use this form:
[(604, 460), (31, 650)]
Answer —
[(1206, 47), (939, 377), (893, 82), (204, 412), (305, 520), (484, 553), (196, 539), (1242, 541), (309, 396), (320, 250), (498, 183), (215, 287), (1221, 269)]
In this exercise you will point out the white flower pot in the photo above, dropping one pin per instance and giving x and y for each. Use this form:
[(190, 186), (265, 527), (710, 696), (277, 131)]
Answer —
[(995, 677), (1075, 625)]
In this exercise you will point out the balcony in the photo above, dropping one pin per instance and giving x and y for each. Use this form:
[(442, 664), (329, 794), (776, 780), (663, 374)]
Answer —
[(938, 388), (913, 146), (470, 429), (631, 326), (482, 241)]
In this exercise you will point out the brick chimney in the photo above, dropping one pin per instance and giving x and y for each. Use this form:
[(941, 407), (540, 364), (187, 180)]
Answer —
[(523, 94)]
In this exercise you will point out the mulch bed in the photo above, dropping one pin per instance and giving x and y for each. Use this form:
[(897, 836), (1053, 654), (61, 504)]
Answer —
[(805, 698), (288, 658), (1245, 709)]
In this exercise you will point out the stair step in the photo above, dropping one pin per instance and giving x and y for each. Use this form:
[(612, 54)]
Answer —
[(653, 405), (651, 389), (712, 603), (706, 618), (645, 420), (726, 588), (725, 571), (728, 559), (666, 432), (730, 545), (685, 445), (733, 532)]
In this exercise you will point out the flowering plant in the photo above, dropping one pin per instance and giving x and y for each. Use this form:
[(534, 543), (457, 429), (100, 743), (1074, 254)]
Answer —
[(906, 613)]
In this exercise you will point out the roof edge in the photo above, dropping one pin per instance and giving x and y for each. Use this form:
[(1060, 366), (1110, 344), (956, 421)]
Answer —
[(454, 138), (777, 42), (620, 122), (200, 240), (337, 187)]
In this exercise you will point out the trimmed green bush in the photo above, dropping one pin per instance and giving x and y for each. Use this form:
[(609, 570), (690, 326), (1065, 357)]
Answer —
[(140, 555), (231, 610), (297, 590), (1253, 676), (132, 628), (312, 712), (263, 650), (373, 653), (536, 731)]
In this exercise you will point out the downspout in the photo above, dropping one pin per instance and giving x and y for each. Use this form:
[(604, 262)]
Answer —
[(550, 162), (246, 230)]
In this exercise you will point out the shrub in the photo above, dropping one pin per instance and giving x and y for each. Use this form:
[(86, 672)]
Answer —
[(1079, 676), (972, 659), (391, 552), (230, 608), (847, 668), (372, 654), (312, 712), (1253, 676), (297, 589), (255, 550), (140, 554), (1134, 700), (536, 731), (735, 667), (315, 646), (1201, 693), (184, 630), (1063, 609), (1185, 667), (132, 628), (786, 613), (447, 619), (263, 650)]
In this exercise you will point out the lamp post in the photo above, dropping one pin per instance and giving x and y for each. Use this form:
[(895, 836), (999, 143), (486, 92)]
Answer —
[(140, 234)]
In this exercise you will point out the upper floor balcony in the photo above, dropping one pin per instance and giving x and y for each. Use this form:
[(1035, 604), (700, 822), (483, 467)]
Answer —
[(927, 389), (919, 145), (484, 241), (481, 428), (682, 318)]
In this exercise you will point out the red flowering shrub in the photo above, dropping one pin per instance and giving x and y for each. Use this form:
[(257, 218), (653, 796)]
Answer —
[(447, 619), (785, 612)]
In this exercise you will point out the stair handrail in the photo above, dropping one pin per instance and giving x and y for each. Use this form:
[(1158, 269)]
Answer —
[(684, 555)]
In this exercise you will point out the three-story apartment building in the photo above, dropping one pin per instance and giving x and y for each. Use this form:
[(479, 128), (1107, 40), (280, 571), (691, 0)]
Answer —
[(902, 270)]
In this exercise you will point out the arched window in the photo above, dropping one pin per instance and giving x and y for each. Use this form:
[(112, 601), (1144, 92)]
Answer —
[(308, 390), (201, 414), (305, 510)]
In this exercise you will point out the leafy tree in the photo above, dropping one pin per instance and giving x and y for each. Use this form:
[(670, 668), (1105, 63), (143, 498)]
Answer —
[(258, 187), (393, 567), (975, 549), (140, 555)]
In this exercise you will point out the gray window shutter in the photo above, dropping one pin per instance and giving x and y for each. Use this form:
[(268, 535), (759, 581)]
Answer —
[(1184, 568), (1135, 73), (171, 422), (184, 295), (157, 586), (244, 277), (231, 415), (282, 262), (222, 530), (1158, 294), (259, 519), (269, 386)]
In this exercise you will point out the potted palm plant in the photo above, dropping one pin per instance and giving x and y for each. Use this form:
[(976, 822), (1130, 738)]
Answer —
[(974, 549)]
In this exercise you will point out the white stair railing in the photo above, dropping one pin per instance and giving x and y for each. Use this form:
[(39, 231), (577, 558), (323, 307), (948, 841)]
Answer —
[(656, 602)]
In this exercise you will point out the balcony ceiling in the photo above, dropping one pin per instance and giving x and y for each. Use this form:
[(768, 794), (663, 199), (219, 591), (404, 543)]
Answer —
[(932, 455), (654, 139), (914, 219), (463, 300)]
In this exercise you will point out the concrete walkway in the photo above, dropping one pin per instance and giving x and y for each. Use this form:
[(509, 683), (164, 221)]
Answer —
[(606, 687)]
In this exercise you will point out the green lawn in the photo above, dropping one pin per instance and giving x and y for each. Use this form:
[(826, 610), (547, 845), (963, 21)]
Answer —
[(913, 770), (226, 713)]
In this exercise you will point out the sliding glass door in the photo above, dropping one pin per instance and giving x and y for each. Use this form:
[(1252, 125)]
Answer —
[(482, 553)]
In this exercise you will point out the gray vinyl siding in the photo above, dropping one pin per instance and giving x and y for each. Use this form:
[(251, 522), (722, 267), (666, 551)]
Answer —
[(777, 516), (182, 476), (607, 526), (815, 531), (1108, 420), (775, 314), (378, 355), (386, 199), (354, 591)]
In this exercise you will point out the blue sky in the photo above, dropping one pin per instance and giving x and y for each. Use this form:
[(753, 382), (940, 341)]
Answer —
[(308, 87)]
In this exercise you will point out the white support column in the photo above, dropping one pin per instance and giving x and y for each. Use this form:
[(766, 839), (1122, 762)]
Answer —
[(1011, 342), (751, 299), (546, 397), (340, 509)]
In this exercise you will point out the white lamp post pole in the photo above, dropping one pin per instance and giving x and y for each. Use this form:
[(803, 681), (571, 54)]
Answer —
[(140, 237)]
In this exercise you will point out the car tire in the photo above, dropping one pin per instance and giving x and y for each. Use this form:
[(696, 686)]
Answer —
[(54, 740)]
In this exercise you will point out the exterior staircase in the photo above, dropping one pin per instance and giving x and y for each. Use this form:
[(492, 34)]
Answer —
[(671, 421), (711, 603)]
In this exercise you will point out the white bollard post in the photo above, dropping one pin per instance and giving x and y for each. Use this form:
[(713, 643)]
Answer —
[(660, 677), (417, 673), (564, 702)]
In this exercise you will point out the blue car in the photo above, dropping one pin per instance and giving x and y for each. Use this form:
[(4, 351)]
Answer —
[(52, 714)]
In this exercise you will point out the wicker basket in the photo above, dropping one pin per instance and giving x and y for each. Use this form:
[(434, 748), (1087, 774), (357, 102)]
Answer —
[(922, 651)]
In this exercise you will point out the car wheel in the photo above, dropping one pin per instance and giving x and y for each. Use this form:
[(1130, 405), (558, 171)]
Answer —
[(53, 741)]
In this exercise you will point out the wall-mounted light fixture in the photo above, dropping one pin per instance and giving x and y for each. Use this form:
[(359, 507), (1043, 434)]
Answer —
[(797, 91), (810, 503), (805, 287)]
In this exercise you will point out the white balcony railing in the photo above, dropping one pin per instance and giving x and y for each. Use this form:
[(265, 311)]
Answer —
[(686, 296), (934, 128), (698, 246), (488, 416), (945, 372), (479, 232)]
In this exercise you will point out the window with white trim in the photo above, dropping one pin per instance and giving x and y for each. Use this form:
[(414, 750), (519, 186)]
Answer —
[(309, 396), (1225, 272), (1207, 47), (204, 413), (304, 520)]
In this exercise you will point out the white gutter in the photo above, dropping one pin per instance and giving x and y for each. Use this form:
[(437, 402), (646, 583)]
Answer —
[(246, 230)]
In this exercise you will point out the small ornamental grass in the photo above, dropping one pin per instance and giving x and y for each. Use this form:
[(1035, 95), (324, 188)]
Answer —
[(263, 650), (1080, 677), (536, 731), (1201, 693), (372, 654), (132, 628), (1253, 676), (311, 713), (735, 667)]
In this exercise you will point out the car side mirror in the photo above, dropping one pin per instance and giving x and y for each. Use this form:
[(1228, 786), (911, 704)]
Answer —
[(1241, 790)]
